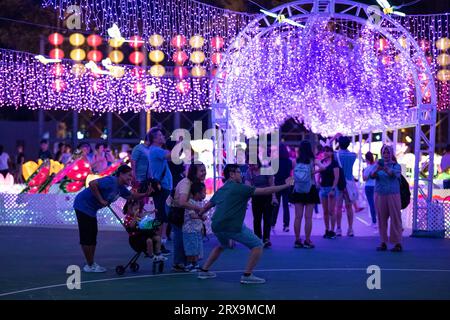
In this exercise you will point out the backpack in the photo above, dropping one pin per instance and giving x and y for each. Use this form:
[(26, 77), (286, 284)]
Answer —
[(302, 178), (405, 193)]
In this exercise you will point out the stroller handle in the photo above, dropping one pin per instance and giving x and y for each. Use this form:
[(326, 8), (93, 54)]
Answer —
[(117, 216)]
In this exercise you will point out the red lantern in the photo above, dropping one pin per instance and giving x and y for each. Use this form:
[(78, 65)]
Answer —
[(137, 72), (95, 55), (56, 54), (183, 87), (180, 72), (178, 41), (94, 40), (58, 70), (382, 44), (136, 57), (179, 57), (138, 87), (55, 39), (216, 58), (217, 43), (59, 85), (136, 42), (214, 72)]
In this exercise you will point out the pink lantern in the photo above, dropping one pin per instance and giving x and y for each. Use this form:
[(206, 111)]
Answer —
[(136, 57), (217, 43), (55, 39), (56, 54), (179, 57), (180, 72), (183, 87), (59, 85), (137, 72), (216, 58), (95, 55), (136, 42), (178, 41), (57, 70), (94, 40), (382, 44)]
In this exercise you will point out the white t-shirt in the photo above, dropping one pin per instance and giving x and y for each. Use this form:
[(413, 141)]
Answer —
[(4, 157)]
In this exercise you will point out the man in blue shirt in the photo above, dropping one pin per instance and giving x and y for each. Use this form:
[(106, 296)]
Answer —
[(140, 161), (100, 193), (159, 169), (346, 159)]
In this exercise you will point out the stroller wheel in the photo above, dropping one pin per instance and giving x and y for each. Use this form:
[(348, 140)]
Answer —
[(134, 267), (120, 270)]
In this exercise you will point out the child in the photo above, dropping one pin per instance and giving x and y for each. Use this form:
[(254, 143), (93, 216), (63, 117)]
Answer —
[(141, 240), (193, 226)]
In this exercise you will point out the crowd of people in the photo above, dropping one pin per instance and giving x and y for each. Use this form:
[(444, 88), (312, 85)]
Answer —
[(313, 178)]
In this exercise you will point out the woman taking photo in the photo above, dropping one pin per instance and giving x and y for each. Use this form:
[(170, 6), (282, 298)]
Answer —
[(387, 199), (180, 201), (329, 178), (305, 195)]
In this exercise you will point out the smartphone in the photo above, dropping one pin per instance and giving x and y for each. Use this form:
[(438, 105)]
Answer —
[(381, 163)]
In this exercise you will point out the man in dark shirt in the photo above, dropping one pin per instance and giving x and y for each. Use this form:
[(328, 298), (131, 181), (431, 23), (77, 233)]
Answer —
[(44, 153)]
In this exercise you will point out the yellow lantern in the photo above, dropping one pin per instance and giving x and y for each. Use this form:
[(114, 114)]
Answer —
[(156, 40), (443, 44), (76, 39), (157, 70), (116, 56), (196, 42), (117, 72), (197, 57), (116, 42), (443, 75), (156, 56), (78, 69), (443, 59), (198, 71), (77, 54)]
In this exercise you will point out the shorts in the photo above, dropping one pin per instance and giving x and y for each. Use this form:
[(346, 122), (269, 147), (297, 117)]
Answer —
[(312, 197), (138, 242), (192, 242), (245, 237), (87, 227), (325, 191), (160, 205)]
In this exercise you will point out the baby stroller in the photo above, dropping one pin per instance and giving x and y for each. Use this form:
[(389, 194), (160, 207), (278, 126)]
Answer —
[(157, 267)]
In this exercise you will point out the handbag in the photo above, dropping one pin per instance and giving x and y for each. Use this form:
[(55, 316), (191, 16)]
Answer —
[(350, 185)]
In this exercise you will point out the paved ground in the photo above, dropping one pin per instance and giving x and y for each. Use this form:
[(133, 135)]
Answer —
[(34, 262)]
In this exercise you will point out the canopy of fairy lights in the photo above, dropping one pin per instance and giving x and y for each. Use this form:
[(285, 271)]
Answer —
[(332, 76)]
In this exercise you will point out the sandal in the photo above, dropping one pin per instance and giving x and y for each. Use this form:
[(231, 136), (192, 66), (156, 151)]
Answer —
[(397, 248), (382, 247)]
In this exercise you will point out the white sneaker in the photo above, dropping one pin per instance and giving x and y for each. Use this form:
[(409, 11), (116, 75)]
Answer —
[(206, 275), (252, 279), (338, 232), (95, 268), (159, 258)]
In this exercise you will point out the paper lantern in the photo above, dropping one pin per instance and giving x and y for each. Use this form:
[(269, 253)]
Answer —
[(156, 56), (116, 56), (198, 71), (137, 72), (179, 57), (443, 59), (136, 42), (116, 42), (214, 72), (56, 54), (138, 87), (77, 54), (178, 41), (156, 40), (197, 57), (403, 42), (78, 69), (55, 39), (76, 39), (183, 87), (136, 57), (117, 72), (443, 44), (157, 70), (180, 72), (443, 75), (95, 55), (216, 58), (94, 40), (59, 85), (382, 44), (57, 70), (196, 42), (217, 43)]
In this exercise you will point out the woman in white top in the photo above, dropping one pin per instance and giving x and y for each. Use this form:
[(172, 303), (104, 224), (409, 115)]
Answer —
[(370, 186), (4, 162)]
